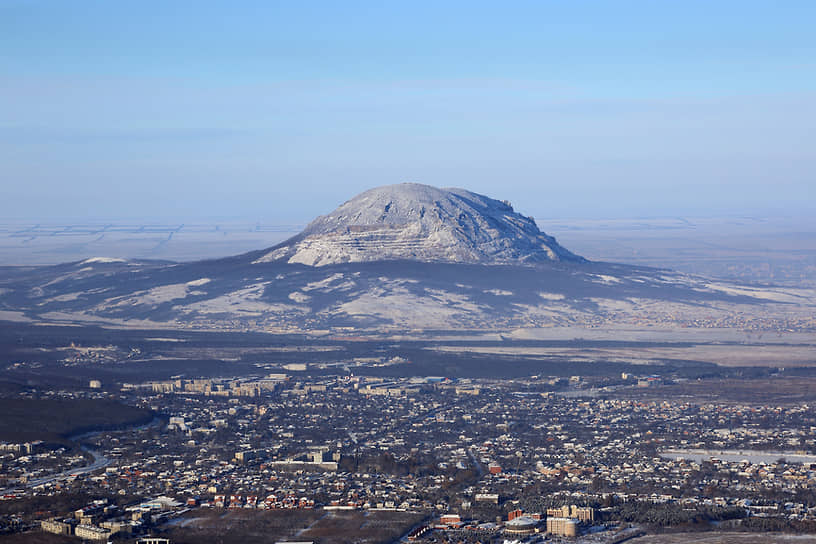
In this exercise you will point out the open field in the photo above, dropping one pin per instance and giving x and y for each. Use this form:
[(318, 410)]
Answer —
[(730, 354), (319, 526), (780, 250), (53, 242), (725, 538), (43, 356), (241, 526)]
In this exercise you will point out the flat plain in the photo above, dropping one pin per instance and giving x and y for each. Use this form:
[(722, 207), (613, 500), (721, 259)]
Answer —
[(777, 250)]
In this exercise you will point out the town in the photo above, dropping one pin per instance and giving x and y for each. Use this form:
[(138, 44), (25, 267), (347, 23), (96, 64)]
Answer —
[(587, 459)]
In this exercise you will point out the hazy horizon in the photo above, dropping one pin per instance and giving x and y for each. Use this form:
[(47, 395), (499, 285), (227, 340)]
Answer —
[(779, 250)]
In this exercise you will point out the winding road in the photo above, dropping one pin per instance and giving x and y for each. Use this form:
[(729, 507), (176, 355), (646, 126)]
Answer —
[(99, 460)]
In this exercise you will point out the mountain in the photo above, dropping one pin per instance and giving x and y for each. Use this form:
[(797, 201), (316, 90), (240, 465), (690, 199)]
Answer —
[(396, 258), (421, 223)]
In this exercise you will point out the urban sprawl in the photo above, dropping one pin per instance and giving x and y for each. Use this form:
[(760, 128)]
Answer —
[(461, 460)]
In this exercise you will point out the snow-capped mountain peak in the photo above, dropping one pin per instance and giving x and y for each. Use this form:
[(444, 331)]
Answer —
[(423, 223)]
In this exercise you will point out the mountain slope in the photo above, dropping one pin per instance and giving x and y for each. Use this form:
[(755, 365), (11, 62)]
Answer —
[(234, 294), (422, 223), (394, 258)]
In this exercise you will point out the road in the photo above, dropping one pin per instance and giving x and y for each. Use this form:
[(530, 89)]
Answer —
[(99, 460)]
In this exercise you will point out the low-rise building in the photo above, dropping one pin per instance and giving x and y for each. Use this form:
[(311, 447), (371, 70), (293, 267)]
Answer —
[(56, 526), (91, 532)]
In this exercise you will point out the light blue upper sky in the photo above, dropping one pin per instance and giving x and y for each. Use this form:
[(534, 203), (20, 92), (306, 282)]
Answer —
[(280, 111)]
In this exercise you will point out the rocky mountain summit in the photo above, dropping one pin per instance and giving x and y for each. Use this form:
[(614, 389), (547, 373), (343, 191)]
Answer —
[(422, 223)]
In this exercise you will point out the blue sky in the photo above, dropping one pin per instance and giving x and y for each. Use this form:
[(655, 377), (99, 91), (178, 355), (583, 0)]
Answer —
[(279, 111)]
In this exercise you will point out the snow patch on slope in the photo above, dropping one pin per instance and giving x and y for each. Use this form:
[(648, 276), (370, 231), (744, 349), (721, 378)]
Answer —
[(299, 297), (787, 295), (246, 301), (418, 222), (102, 260), (393, 302)]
